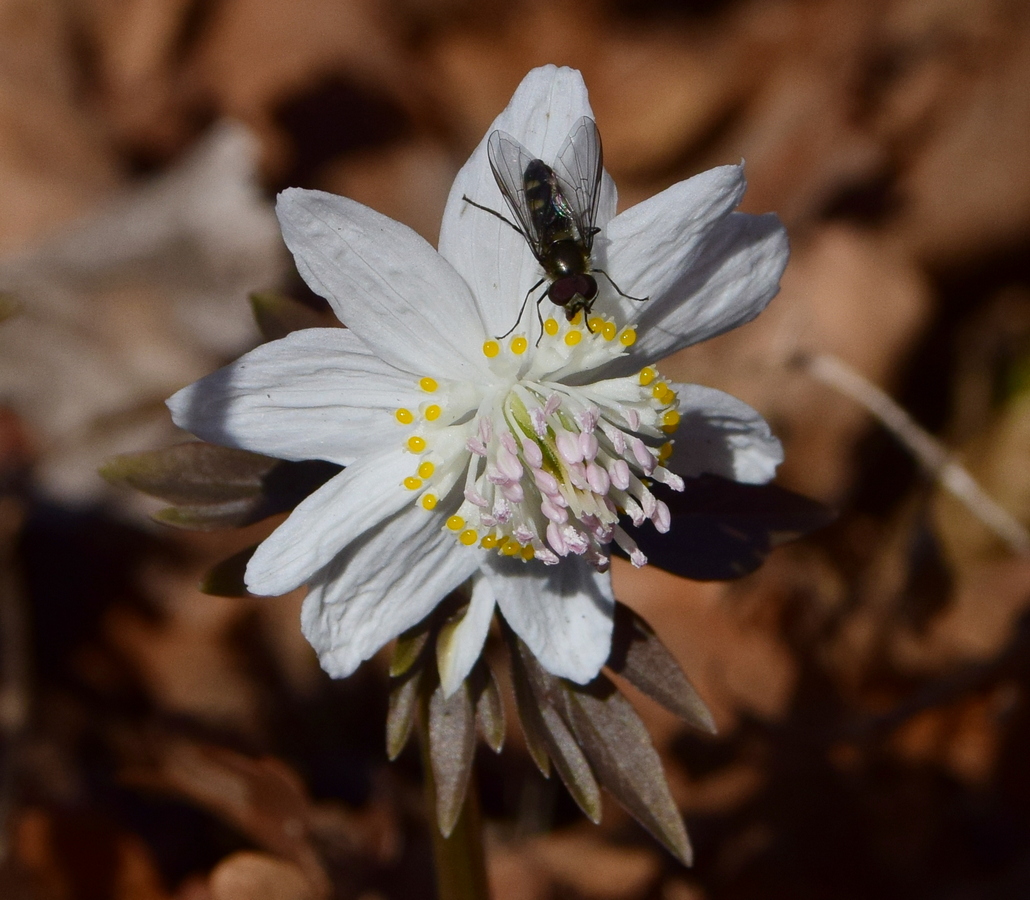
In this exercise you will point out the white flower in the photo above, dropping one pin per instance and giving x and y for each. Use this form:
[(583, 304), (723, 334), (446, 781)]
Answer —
[(501, 463)]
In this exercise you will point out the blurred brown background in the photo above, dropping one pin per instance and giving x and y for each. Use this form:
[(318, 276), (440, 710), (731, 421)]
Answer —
[(872, 684)]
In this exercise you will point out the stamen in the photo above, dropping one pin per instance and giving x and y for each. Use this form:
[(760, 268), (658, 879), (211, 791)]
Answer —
[(428, 384)]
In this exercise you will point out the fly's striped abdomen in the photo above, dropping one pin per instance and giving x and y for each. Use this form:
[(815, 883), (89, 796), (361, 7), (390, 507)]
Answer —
[(548, 207)]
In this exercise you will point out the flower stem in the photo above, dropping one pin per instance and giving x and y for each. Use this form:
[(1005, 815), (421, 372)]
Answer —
[(459, 857)]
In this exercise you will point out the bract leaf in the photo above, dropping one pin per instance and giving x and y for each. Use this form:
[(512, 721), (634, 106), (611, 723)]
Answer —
[(526, 705), (560, 742), (723, 529), (645, 662), (278, 315), (401, 711), (225, 579), (452, 744), (489, 705), (622, 756), (191, 474), (216, 487)]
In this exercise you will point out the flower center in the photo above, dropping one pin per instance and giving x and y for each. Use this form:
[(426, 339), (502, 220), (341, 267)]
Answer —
[(547, 467)]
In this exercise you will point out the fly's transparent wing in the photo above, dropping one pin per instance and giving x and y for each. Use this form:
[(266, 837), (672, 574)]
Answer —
[(578, 170), (508, 161)]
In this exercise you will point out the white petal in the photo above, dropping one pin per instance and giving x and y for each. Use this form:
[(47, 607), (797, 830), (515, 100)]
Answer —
[(494, 259), (721, 435), (459, 646), (361, 496), (563, 612), (314, 394), (384, 282), (704, 268), (381, 585)]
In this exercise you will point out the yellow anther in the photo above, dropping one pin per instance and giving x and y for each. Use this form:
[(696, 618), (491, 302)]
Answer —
[(658, 388), (628, 337), (428, 384), (670, 419), (412, 483), (595, 323), (416, 444), (519, 345), (647, 375), (455, 523), (510, 548), (491, 349), (432, 412), (405, 416), (573, 337), (429, 501), (528, 552), (426, 469), (489, 542), (609, 330), (665, 451), (668, 396), (468, 537), (551, 327), (577, 319)]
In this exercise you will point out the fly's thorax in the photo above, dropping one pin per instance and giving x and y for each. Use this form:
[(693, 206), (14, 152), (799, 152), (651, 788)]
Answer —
[(566, 257)]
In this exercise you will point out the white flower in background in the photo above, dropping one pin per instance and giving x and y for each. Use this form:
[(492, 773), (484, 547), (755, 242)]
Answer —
[(500, 463)]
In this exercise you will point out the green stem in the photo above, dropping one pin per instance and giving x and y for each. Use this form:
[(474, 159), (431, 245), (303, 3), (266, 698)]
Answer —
[(460, 860)]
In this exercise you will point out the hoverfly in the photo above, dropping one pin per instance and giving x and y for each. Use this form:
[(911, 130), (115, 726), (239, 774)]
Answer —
[(554, 209)]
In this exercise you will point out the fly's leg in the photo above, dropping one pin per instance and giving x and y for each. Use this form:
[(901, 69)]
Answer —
[(494, 212), (501, 337), (619, 290)]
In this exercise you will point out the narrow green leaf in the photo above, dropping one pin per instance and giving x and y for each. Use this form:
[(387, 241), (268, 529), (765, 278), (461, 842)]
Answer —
[(277, 315), (622, 756), (410, 646), (226, 578), (645, 662), (400, 716), (489, 706), (212, 517), (452, 745)]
